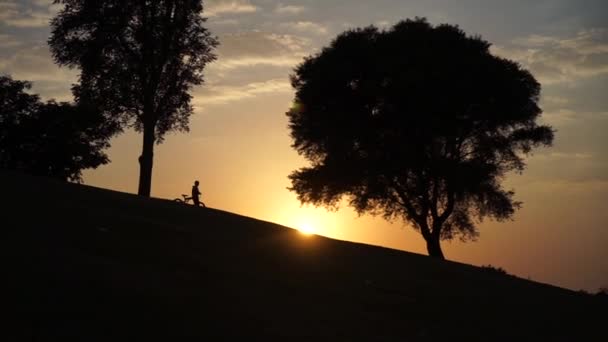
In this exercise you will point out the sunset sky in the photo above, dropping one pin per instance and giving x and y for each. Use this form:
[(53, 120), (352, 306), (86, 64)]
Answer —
[(239, 144)]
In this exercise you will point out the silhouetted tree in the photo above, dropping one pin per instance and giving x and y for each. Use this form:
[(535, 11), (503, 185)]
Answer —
[(138, 61), (415, 122), (15, 104), (52, 139)]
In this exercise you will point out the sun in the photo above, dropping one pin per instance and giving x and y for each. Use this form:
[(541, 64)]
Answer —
[(306, 228)]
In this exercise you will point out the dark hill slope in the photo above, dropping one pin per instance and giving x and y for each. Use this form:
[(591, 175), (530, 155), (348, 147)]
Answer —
[(88, 264)]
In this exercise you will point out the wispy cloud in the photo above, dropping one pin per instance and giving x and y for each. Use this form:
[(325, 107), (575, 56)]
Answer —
[(383, 24), (305, 27), (552, 104), (223, 94), (570, 187), (564, 156), (27, 15), (566, 116), (219, 7), (555, 100), (561, 59), (7, 41), (8, 10), (223, 22), (34, 63), (289, 9), (32, 19), (259, 48)]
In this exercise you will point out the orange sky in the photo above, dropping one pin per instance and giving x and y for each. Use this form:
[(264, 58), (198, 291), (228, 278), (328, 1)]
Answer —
[(239, 148)]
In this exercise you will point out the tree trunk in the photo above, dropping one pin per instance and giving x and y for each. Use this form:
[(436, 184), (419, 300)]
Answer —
[(434, 247), (145, 161)]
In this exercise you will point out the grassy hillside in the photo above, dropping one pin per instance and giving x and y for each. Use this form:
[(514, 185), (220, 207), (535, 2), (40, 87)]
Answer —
[(88, 264)]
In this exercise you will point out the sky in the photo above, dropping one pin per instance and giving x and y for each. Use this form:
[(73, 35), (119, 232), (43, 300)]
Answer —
[(239, 147)]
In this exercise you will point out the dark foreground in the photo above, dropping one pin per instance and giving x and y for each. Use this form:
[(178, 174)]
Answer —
[(86, 264)]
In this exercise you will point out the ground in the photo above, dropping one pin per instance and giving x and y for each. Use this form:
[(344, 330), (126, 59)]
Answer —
[(88, 264)]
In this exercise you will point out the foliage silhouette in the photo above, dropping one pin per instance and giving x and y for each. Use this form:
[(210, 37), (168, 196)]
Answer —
[(138, 62), (494, 270), (414, 122), (52, 139)]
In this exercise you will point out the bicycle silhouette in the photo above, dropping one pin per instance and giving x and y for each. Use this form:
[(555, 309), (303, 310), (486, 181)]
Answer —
[(186, 200)]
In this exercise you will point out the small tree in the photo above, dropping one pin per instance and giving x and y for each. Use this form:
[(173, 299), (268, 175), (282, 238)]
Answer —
[(51, 139), (416, 122), (138, 62)]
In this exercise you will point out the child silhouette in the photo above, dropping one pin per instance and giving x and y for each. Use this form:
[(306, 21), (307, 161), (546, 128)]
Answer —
[(196, 195)]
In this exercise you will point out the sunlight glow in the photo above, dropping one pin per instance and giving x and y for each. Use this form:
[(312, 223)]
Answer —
[(306, 228)]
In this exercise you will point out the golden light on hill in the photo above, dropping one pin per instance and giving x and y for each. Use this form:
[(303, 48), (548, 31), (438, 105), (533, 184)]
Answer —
[(306, 228)]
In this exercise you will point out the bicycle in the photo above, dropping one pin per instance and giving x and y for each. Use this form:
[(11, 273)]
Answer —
[(186, 200)]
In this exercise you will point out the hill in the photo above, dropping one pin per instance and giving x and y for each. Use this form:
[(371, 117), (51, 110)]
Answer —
[(88, 264)]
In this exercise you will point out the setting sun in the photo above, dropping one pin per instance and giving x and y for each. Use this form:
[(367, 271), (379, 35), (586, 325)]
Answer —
[(306, 228)]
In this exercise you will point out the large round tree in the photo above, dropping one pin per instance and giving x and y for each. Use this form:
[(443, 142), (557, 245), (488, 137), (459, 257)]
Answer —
[(138, 60), (417, 122), (51, 139)]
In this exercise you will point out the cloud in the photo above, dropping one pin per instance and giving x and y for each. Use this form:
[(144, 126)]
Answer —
[(289, 9), (267, 57), (223, 94), (561, 59), (555, 100), (559, 117), (27, 15), (566, 116), (570, 187), (31, 19), (43, 3), (223, 22), (571, 170), (383, 24), (219, 7), (553, 103), (259, 48), (305, 27), (8, 10), (561, 156), (8, 41), (34, 63)]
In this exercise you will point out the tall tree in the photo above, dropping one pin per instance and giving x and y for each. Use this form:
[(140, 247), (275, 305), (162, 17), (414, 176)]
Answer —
[(138, 60), (51, 139), (414, 122)]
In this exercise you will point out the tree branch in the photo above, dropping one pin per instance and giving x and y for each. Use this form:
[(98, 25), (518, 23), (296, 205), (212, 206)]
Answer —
[(449, 208), (433, 201), (419, 218)]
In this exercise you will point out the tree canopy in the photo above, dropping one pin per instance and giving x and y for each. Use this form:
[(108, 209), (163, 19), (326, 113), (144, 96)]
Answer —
[(417, 122), (138, 61), (51, 139)]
